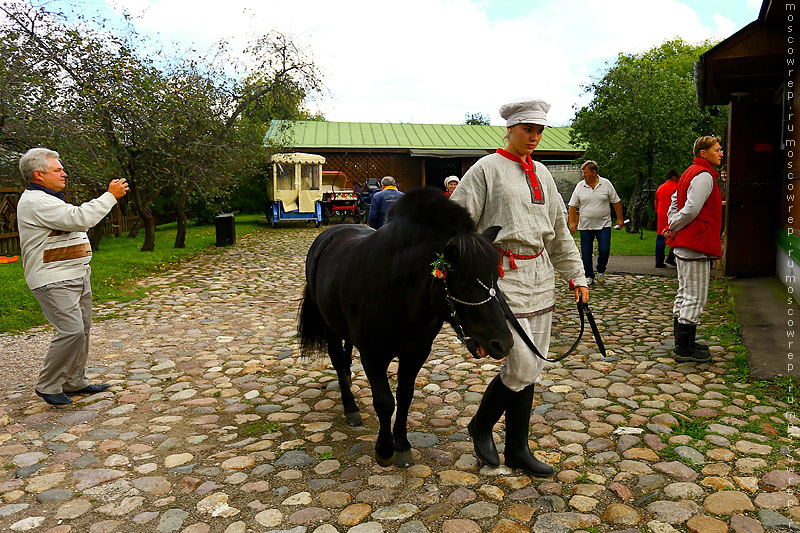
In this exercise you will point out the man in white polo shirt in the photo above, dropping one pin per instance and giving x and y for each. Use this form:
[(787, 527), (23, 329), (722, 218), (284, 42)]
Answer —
[(589, 213)]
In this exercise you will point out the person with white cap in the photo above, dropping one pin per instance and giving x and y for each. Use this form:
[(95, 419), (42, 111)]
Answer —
[(511, 190), (450, 183)]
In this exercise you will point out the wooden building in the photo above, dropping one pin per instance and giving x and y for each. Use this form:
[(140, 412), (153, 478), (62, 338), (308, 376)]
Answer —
[(414, 154), (753, 72)]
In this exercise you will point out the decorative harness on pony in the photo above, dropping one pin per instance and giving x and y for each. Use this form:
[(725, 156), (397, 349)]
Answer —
[(440, 269)]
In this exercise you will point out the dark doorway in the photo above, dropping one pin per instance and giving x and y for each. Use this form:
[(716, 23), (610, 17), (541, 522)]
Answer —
[(754, 201), (438, 168)]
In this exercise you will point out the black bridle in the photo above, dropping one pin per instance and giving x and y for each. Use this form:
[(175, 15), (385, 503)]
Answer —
[(455, 321), (495, 293)]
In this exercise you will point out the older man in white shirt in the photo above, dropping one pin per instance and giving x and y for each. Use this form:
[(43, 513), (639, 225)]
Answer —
[(589, 213), (55, 255)]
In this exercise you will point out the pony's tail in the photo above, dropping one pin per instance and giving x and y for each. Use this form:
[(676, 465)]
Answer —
[(311, 328)]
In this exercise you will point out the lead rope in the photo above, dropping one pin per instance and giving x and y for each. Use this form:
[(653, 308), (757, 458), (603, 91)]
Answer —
[(583, 309)]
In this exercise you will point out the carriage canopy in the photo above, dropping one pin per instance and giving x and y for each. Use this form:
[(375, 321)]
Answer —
[(296, 181)]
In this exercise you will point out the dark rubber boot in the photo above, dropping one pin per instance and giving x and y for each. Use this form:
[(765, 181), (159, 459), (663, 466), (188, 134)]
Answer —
[(685, 352), (697, 345), (494, 403), (518, 453)]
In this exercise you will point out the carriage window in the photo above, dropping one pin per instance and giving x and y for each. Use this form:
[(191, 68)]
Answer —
[(285, 177), (309, 177)]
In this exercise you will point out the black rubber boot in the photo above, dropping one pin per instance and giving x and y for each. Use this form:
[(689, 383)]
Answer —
[(518, 453), (696, 345), (495, 400), (685, 351)]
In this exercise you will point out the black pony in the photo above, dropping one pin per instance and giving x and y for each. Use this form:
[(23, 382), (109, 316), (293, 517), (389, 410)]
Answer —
[(375, 290)]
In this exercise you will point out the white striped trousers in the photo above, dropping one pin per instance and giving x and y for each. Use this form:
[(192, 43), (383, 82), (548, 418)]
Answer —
[(521, 366), (692, 295)]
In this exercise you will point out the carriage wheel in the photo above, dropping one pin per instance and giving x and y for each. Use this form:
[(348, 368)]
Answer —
[(271, 218), (316, 223), (357, 217), (326, 216)]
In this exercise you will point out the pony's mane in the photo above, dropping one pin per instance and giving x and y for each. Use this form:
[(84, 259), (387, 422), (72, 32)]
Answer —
[(429, 207), (476, 255)]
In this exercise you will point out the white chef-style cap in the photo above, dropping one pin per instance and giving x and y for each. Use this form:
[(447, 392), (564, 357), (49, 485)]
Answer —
[(525, 111)]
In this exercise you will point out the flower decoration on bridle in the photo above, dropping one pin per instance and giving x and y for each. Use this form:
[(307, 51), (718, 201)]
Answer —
[(440, 267)]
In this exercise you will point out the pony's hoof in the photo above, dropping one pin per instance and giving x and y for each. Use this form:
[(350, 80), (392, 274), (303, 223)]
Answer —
[(385, 461), (403, 459), (354, 419)]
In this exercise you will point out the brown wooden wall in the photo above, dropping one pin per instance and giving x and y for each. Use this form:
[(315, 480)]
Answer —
[(408, 171), (755, 164), (791, 198), (358, 166)]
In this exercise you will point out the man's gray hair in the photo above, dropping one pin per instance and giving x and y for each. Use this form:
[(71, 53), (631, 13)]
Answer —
[(36, 159), (388, 181)]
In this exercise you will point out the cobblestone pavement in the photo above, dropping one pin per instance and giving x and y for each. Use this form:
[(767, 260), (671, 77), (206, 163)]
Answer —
[(213, 424)]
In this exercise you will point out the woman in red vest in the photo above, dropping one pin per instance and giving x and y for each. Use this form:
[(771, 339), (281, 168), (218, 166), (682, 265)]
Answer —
[(695, 220)]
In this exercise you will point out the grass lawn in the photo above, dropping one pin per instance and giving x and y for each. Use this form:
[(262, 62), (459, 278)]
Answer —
[(114, 265), (623, 243)]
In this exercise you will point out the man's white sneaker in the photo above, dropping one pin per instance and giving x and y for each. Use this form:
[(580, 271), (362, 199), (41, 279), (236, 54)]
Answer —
[(601, 278), (589, 281)]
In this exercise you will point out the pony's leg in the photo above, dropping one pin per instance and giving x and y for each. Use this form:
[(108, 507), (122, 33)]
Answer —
[(383, 402), (348, 353), (406, 375), (342, 359)]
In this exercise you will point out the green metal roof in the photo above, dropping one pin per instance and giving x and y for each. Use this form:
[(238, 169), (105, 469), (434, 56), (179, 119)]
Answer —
[(310, 134)]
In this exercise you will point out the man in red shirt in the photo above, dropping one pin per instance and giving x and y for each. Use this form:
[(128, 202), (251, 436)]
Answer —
[(695, 220), (663, 199)]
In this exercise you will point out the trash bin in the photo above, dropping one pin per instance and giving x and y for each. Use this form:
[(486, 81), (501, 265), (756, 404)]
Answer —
[(226, 229)]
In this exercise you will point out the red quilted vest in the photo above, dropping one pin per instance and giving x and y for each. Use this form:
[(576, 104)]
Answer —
[(703, 233)]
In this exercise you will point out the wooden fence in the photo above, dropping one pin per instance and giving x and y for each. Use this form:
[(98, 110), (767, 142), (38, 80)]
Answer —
[(9, 238), (115, 223)]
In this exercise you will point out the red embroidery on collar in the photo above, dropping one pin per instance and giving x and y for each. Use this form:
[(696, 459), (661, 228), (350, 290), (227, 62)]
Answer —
[(530, 171)]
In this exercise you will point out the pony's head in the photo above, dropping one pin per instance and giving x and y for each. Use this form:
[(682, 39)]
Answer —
[(469, 271)]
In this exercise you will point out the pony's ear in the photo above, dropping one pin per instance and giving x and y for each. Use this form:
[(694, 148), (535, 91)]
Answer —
[(491, 233), (451, 253)]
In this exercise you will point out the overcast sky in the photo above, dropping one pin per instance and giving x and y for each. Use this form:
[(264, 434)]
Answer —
[(432, 61)]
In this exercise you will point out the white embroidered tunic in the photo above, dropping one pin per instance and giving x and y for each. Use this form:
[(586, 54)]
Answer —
[(498, 192)]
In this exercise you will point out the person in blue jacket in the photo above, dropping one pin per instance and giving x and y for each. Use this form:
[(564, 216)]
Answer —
[(382, 201)]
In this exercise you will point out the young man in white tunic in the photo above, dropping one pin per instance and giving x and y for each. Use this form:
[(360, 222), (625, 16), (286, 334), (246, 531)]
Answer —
[(510, 190), (592, 196), (55, 255)]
